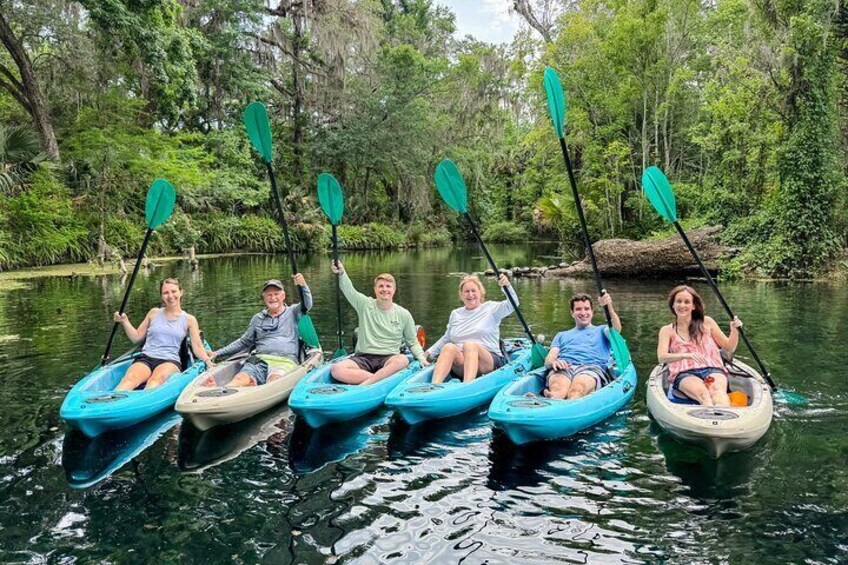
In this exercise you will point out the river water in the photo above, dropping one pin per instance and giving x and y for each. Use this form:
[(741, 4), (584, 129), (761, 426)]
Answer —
[(375, 490)]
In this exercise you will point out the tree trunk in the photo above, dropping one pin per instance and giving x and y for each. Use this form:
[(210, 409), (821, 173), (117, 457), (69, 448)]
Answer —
[(298, 135), (29, 90)]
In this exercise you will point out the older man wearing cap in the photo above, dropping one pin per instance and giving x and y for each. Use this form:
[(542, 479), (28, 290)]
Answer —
[(383, 328), (272, 336)]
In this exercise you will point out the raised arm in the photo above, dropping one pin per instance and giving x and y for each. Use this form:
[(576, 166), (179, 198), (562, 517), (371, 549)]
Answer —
[(728, 343), (307, 294), (135, 335), (356, 298), (606, 300), (505, 308)]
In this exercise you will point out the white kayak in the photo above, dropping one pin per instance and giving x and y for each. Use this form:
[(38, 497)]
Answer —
[(212, 406), (717, 430)]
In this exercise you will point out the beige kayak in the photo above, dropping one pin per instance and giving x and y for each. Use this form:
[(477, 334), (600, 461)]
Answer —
[(206, 406), (717, 430)]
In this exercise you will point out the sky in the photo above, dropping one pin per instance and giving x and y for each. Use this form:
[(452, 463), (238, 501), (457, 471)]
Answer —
[(486, 20)]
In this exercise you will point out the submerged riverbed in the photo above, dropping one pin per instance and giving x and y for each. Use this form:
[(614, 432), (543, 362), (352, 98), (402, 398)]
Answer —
[(376, 490)]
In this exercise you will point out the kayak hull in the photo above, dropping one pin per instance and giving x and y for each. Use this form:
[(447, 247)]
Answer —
[(418, 399), (715, 430), (527, 419), (320, 400), (206, 407), (93, 407)]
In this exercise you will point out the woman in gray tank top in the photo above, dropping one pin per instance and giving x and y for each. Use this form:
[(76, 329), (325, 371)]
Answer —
[(162, 330)]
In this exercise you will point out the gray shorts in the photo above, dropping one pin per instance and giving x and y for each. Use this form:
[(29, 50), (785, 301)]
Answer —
[(601, 374), (257, 369)]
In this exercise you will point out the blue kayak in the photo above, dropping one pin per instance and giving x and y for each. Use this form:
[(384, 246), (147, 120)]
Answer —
[(418, 399), (93, 407), (320, 400), (526, 419)]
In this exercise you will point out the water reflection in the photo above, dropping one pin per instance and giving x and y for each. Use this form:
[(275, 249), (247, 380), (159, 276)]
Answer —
[(200, 450), (533, 464), (433, 436), (311, 449), (87, 461), (707, 479)]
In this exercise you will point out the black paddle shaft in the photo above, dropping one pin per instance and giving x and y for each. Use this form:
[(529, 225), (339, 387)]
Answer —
[(282, 215), (497, 273), (339, 332), (585, 227), (726, 306), (105, 358)]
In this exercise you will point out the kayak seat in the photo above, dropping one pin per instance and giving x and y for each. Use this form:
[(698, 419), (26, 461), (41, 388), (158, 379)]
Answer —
[(739, 380), (675, 397)]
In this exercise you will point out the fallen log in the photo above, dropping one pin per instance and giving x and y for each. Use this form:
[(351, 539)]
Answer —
[(651, 258)]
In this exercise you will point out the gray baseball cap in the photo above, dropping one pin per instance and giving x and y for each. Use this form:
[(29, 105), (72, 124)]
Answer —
[(272, 282)]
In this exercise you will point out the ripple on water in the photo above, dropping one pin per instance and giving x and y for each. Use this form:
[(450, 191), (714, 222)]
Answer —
[(376, 491)]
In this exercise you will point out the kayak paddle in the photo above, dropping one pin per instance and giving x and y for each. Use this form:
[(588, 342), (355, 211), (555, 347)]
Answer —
[(452, 189), (661, 196), (259, 132), (331, 198), (158, 206), (557, 106)]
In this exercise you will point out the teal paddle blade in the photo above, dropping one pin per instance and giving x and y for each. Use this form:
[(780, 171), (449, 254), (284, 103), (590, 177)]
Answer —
[(331, 197), (451, 186), (557, 102), (620, 351), (537, 355), (306, 330), (659, 193), (788, 397), (258, 129), (160, 203), (339, 353)]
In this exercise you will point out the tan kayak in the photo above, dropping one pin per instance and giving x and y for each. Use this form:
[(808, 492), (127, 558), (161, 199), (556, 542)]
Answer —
[(212, 406), (717, 430)]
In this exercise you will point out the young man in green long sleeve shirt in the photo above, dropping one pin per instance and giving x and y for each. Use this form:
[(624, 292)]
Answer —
[(383, 328)]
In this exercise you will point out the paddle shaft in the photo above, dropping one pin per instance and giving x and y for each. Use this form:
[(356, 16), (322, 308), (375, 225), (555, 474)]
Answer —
[(495, 269), (338, 288), (726, 306), (105, 358), (282, 215), (584, 226)]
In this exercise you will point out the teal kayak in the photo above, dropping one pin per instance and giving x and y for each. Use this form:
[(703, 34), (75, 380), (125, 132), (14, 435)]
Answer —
[(533, 418), (320, 400), (418, 399), (93, 407)]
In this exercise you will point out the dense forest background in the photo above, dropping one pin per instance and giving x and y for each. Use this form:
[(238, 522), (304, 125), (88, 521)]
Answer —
[(743, 104)]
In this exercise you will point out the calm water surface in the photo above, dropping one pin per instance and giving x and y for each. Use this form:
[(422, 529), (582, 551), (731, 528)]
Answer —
[(375, 490)]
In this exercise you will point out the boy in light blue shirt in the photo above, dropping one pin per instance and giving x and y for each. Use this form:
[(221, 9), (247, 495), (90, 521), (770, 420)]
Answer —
[(579, 357)]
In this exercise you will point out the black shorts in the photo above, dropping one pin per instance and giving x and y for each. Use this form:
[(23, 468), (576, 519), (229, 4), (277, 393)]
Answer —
[(369, 362), (152, 362)]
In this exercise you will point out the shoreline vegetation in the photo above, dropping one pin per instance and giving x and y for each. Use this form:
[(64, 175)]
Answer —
[(742, 105)]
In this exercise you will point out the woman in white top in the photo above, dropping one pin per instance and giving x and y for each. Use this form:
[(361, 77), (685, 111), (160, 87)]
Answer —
[(471, 344)]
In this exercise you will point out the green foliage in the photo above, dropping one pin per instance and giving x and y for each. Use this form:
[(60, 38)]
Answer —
[(20, 156), (422, 234), (504, 232), (41, 227), (370, 236), (735, 101)]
